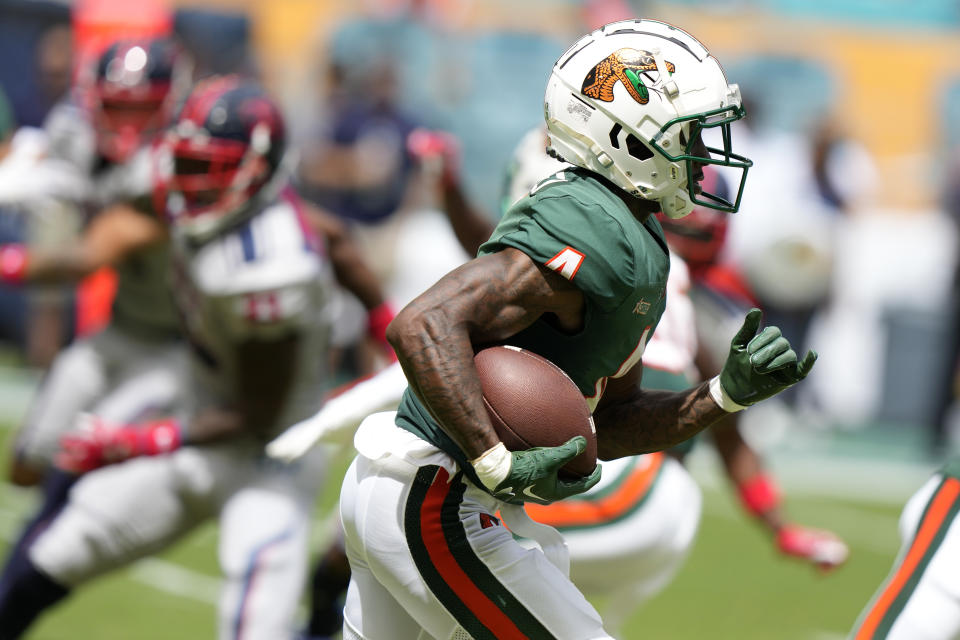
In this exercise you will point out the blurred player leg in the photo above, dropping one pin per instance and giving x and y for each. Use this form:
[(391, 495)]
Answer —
[(115, 515), (24, 591), (153, 385), (112, 374), (920, 600), (264, 536), (75, 380), (328, 584)]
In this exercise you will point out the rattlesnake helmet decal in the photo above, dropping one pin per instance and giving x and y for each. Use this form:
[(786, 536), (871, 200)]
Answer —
[(624, 65)]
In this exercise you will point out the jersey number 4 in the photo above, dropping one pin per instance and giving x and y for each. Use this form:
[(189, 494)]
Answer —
[(567, 262)]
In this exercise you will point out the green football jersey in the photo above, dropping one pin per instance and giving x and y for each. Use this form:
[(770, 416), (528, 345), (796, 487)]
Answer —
[(952, 467), (584, 228)]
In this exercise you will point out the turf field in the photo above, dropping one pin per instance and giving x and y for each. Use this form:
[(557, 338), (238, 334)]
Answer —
[(734, 585)]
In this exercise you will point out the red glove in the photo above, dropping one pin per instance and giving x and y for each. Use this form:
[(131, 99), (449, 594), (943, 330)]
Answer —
[(821, 548), (13, 263), (377, 320), (436, 148), (96, 443)]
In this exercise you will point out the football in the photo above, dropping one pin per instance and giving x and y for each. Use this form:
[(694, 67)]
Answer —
[(533, 403)]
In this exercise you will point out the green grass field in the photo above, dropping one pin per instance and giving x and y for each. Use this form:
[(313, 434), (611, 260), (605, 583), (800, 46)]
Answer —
[(734, 584)]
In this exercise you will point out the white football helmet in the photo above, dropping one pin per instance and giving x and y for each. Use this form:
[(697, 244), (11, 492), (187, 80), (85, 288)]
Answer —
[(630, 101)]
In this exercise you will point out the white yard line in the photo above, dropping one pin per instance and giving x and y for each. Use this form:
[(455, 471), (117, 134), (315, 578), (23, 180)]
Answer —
[(827, 635), (176, 580)]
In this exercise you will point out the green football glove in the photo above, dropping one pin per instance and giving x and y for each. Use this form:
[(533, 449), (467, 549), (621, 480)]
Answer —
[(759, 366), (533, 474)]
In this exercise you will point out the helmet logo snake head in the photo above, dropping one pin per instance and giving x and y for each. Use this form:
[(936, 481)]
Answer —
[(624, 65)]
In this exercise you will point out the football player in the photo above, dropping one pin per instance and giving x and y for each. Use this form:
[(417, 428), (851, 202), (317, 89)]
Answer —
[(99, 154), (98, 141), (101, 140), (576, 272), (253, 288), (920, 599), (630, 534)]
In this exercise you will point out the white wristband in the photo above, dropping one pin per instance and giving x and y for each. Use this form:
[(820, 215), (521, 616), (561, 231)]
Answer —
[(493, 465), (720, 396)]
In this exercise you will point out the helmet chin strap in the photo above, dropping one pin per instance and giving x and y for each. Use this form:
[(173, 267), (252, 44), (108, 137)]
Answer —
[(676, 205)]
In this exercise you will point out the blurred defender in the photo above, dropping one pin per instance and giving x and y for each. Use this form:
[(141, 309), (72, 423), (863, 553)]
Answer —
[(629, 535), (101, 141), (575, 272), (133, 369), (253, 290)]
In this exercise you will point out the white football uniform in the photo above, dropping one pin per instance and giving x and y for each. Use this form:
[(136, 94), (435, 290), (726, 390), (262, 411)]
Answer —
[(261, 280), (920, 599), (134, 368)]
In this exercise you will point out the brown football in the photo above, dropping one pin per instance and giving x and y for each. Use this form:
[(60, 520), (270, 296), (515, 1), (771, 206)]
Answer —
[(533, 403)]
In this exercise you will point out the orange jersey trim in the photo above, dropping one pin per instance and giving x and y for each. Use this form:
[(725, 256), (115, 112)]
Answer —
[(938, 511), (580, 512)]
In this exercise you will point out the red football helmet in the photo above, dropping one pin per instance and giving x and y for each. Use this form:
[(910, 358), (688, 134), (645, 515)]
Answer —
[(132, 93), (225, 148)]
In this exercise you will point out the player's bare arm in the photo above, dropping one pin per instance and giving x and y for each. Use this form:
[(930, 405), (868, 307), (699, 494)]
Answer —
[(111, 236), (266, 374), (438, 153), (763, 499), (352, 271), (631, 420), (485, 301), (349, 265)]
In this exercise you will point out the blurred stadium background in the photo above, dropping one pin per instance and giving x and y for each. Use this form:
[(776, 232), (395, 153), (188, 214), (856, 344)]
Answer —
[(848, 234)]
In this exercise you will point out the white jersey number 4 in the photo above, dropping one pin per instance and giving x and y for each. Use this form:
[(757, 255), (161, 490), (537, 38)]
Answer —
[(567, 262)]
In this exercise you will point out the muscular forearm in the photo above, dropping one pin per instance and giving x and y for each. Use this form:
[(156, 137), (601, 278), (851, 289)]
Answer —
[(653, 420), (438, 362), (485, 301), (433, 337)]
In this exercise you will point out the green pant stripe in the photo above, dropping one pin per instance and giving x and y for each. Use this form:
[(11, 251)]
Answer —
[(910, 586), (478, 571), (421, 557)]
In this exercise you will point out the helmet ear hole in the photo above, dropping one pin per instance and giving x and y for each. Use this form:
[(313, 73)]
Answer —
[(637, 149), (615, 135)]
